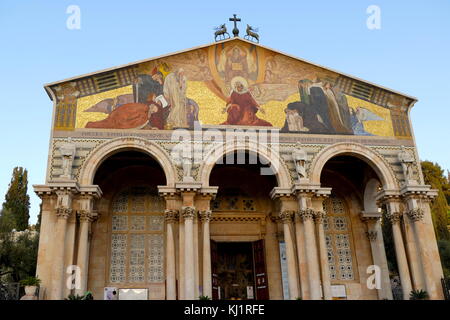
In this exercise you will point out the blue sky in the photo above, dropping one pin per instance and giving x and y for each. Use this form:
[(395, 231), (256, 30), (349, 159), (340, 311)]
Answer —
[(410, 54)]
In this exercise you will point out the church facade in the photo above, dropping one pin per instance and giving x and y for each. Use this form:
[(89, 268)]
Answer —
[(233, 171)]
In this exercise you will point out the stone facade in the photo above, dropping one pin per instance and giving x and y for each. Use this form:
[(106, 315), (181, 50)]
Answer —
[(81, 225)]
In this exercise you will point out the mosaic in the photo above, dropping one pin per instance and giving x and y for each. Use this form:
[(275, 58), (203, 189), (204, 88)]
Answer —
[(235, 83)]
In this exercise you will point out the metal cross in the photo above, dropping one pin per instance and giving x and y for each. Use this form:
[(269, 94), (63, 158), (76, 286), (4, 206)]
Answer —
[(235, 29)]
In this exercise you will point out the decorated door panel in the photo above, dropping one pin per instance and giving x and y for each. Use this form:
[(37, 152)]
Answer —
[(214, 276), (261, 283)]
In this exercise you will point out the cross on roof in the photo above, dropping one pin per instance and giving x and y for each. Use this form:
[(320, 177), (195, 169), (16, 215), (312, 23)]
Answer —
[(235, 29)]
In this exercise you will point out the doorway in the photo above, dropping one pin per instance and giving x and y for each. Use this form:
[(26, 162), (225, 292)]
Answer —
[(239, 271)]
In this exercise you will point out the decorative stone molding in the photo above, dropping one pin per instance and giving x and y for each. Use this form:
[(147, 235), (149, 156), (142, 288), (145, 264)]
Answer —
[(306, 214), (171, 215), (370, 216), (226, 217), (188, 212), (372, 235), (205, 215), (415, 214), (286, 216)]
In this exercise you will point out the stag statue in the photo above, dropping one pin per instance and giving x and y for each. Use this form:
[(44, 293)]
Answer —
[(252, 34), (221, 32)]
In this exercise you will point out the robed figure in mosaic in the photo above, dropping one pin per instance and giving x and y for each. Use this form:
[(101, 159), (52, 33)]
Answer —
[(242, 107)]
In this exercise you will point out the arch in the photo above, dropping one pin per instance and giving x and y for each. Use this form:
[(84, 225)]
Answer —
[(111, 147), (268, 154), (373, 159)]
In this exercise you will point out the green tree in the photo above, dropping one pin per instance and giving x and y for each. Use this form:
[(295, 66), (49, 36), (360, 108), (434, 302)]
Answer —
[(18, 256), (434, 176), (17, 201)]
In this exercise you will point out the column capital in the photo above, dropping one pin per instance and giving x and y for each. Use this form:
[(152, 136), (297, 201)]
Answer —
[(415, 214), (87, 216), (394, 217), (205, 215), (372, 235), (171, 215), (63, 213), (286, 215), (319, 216), (188, 212), (306, 214)]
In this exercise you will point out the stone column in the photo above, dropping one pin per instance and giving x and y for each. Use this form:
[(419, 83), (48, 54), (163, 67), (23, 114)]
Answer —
[(302, 260), (63, 212), (85, 218), (58, 254), (412, 250), (86, 215), (286, 218), (171, 216), (375, 237), (319, 216), (307, 215), (207, 280), (189, 270), (400, 253), (416, 216)]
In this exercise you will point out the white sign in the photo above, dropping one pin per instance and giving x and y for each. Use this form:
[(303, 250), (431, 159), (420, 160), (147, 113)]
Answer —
[(338, 291), (250, 294), (284, 270), (133, 294)]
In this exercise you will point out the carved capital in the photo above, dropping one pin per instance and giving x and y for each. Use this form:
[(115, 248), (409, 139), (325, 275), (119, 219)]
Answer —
[(286, 216), (306, 214), (205, 215), (371, 235), (415, 214), (86, 216), (171, 215), (63, 213), (394, 217), (188, 212), (319, 216)]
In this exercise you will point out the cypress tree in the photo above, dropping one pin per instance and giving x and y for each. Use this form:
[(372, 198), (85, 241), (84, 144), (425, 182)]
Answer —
[(17, 201)]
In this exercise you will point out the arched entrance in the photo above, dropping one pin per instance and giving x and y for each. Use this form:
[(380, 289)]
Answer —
[(242, 235), (127, 251), (352, 226)]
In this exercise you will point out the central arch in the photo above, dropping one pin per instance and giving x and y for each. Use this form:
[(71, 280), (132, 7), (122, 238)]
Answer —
[(373, 159), (266, 153)]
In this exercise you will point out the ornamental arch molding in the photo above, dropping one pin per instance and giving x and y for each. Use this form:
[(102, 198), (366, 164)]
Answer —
[(111, 147), (266, 153), (372, 158)]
